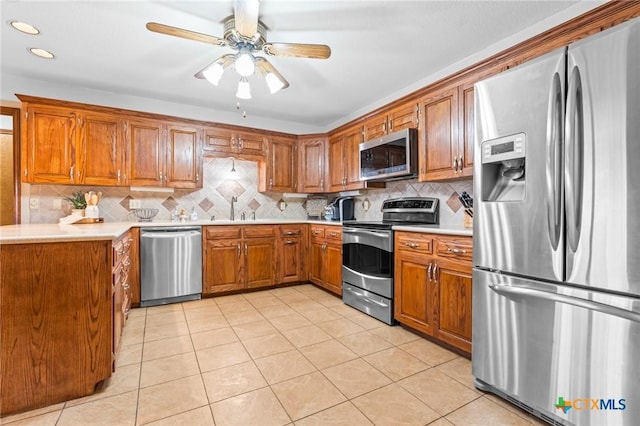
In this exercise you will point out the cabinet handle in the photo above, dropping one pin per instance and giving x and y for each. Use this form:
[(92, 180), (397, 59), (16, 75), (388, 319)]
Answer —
[(290, 242), (456, 250), (435, 273), (118, 175), (26, 172), (71, 174), (333, 234), (241, 143), (239, 252), (322, 183), (270, 183), (460, 163), (197, 177), (291, 232), (246, 249), (384, 126), (412, 245), (390, 125), (455, 164), (78, 173), (324, 247), (429, 272)]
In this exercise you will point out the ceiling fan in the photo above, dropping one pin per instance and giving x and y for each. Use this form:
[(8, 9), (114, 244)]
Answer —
[(244, 32)]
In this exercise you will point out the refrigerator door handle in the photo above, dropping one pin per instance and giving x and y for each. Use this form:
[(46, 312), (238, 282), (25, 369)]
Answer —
[(509, 290), (574, 159), (555, 121)]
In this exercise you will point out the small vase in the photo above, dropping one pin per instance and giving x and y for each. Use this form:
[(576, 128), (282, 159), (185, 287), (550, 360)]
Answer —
[(77, 212)]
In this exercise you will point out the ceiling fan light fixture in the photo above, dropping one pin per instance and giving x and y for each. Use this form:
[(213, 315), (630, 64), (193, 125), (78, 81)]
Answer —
[(245, 62), (244, 91), (273, 82), (214, 73)]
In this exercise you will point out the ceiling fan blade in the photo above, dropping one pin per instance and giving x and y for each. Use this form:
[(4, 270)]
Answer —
[(190, 35), (298, 50), (246, 17), (275, 82)]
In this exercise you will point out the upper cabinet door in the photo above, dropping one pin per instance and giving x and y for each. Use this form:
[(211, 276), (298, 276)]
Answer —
[(218, 140), (282, 167), (352, 140), (375, 127), (102, 159), (51, 134), (145, 139), (466, 132), (438, 148), (184, 159), (403, 117), (311, 162), (337, 164)]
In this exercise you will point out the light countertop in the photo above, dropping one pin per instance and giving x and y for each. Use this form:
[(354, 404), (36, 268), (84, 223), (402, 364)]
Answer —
[(53, 232)]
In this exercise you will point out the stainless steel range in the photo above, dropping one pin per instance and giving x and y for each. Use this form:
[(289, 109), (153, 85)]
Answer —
[(367, 254)]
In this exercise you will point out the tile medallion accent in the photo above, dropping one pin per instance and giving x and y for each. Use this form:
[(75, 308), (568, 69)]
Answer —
[(253, 204), (206, 204), (125, 202), (453, 202), (170, 203)]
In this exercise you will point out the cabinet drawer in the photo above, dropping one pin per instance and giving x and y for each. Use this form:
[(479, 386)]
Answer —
[(317, 231), (217, 232), (414, 242), (333, 233), (254, 231), (455, 248), (290, 231)]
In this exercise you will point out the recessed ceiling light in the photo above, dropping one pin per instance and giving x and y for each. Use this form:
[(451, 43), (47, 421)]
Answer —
[(24, 27), (41, 53)]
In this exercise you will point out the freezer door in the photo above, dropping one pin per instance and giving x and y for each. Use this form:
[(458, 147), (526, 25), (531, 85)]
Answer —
[(602, 160), (518, 218), (540, 344)]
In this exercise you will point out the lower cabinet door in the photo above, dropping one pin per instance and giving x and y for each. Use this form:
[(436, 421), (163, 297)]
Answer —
[(222, 266), (454, 307), (259, 261), (413, 299), (333, 268), (290, 260), (316, 271)]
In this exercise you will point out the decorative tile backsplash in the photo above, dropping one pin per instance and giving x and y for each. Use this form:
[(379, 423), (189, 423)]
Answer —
[(214, 199)]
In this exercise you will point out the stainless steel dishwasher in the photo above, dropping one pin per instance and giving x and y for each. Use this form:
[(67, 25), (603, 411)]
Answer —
[(170, 264)]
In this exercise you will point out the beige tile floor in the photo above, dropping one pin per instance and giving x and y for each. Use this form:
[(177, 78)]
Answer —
[(294, 355)]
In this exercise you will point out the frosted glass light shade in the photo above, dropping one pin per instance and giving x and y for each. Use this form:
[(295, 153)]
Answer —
[(244, 63), (273, 82), (244, 91), (214, 73)]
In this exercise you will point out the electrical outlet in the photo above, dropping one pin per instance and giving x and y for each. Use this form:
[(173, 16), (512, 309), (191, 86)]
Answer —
[(57, 204), (34, 203), (135, 204)]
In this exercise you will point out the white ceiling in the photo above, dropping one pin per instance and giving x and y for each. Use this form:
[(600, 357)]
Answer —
[(380, 51)]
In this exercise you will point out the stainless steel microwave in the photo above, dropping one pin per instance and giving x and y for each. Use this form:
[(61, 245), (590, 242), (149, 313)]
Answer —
[(391, 157)]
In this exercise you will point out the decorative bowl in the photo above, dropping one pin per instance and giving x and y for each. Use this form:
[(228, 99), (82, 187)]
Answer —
[(145, 215)]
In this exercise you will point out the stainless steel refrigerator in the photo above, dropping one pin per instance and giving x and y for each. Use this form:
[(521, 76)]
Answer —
[(556, 279)]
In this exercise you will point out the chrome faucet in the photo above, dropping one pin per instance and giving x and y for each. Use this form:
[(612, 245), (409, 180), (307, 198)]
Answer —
[(232, 215)]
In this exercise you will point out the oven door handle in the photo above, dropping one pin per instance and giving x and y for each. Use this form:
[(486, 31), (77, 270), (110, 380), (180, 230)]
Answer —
[(382, 234), (364, 296)]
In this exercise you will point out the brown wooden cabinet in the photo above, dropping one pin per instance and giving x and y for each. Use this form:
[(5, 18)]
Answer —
[(446, 134), (122, 291), (326, 257), (56, 313), (291, 253), (164, 154), (344, 162), (398, 118), (279, 173), (226, 142), (433, 286), (70, 146), (312, 164), (66, 143), (238, 257)]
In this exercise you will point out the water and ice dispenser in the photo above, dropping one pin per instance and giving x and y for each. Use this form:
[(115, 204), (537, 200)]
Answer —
[(503, 168)]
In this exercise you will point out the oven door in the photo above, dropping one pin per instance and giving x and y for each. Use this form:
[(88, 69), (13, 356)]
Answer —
[(367, 259)]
